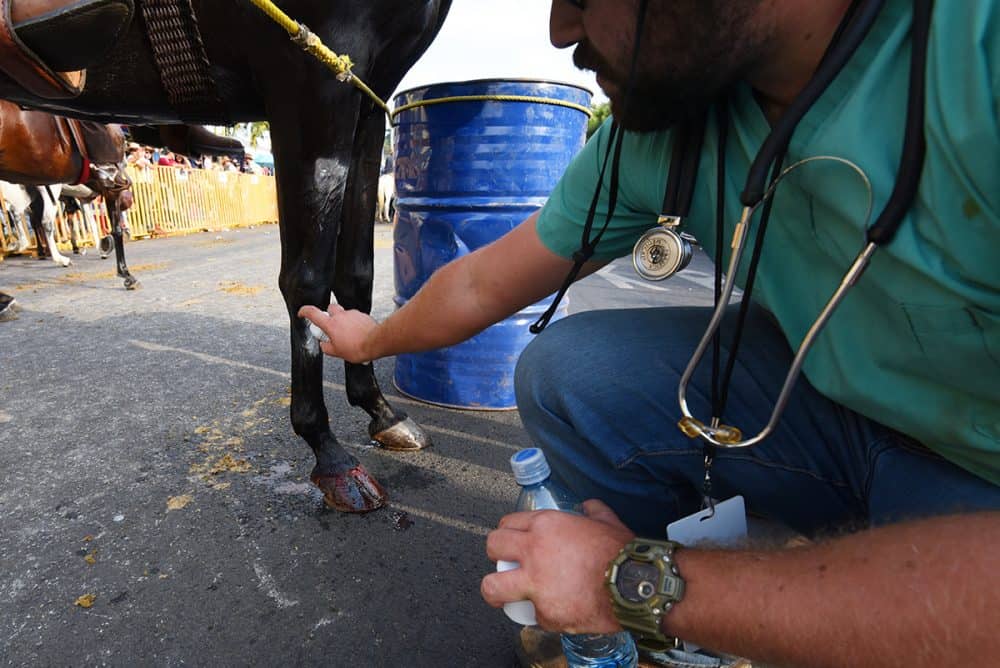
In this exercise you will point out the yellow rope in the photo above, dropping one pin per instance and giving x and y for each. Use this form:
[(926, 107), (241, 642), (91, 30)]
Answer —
[(492, 98), (341, 66), (301, 35)]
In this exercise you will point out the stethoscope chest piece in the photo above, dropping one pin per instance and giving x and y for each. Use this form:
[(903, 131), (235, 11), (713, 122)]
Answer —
[(661, 252)]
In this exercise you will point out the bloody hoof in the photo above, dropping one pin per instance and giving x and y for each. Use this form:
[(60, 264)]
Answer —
[(353, 491), (404, 435)]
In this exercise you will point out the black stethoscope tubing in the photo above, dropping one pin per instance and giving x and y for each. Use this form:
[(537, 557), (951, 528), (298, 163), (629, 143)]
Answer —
[(879, 233)]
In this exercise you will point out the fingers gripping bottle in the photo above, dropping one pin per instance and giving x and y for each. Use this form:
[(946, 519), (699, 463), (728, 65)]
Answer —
[(540, 492)]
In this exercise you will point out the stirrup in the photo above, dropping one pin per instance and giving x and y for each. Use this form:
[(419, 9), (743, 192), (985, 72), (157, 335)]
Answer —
[(34, 52)]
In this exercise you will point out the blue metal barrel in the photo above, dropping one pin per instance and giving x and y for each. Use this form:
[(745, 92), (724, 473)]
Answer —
[(467, 171)]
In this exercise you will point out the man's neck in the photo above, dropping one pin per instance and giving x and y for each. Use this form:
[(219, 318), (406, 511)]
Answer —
[(802, 31)]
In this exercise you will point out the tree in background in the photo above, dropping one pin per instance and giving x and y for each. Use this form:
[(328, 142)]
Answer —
[(253, 130), (600, 113), (257, 130)]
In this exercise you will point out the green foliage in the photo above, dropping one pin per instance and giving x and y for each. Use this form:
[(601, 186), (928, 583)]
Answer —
[(257, 130), (600, 113), (253, 130)]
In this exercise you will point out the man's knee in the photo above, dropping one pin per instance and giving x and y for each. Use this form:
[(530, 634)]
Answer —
[(556, 352)]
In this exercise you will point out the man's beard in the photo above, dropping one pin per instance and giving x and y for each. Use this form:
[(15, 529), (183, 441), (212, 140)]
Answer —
[(660, 108), (691, 53)]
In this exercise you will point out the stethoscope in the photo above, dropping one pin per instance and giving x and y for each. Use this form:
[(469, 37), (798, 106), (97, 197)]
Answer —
[(663, 251)]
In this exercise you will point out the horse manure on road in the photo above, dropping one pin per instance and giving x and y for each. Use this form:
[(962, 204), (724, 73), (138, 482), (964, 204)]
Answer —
[(237, 288), (178, 502)]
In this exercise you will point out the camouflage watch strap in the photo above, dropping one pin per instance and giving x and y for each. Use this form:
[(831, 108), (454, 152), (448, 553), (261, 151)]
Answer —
[(652, 600)]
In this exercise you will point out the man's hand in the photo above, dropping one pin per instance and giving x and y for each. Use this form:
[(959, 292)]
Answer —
[(348, 331), (563, 558)]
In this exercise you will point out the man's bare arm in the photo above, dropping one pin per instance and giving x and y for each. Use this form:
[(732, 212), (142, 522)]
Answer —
[(923, 594), (459, 300)]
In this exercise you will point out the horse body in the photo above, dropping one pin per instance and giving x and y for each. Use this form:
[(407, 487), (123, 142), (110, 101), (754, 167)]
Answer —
[(327, 139)]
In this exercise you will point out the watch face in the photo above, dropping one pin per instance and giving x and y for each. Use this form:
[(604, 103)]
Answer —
[(636, 581)]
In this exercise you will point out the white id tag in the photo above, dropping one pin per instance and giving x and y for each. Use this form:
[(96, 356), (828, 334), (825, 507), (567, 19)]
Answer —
[(727, 527)]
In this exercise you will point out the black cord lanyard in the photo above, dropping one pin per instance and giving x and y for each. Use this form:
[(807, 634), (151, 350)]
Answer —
[(614, 148)]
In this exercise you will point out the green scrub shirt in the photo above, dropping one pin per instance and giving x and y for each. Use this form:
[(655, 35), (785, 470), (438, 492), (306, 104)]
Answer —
[(916, 344)]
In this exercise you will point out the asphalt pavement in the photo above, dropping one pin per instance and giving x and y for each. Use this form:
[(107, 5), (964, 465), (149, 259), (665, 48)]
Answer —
[(155, 508)]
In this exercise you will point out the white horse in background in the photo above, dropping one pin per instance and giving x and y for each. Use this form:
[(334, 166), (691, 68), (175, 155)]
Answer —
[(19, 201), (386, 206)]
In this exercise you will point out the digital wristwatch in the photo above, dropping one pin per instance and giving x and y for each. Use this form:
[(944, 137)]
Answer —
[(644, 585)]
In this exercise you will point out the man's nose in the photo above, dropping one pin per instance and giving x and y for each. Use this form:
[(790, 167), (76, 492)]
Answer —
[(565, 24)]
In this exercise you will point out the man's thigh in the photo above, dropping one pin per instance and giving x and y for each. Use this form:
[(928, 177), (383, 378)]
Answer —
[(598, 391), (906, 481)]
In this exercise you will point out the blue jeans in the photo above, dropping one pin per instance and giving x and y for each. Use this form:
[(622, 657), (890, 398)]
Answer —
[(597, 391)]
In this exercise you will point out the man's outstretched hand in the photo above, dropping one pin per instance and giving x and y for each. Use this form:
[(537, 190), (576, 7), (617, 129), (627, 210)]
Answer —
[(348, 331), (563, 558)]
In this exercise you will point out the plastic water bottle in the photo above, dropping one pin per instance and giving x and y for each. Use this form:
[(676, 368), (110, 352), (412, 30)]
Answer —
[(539, 492)]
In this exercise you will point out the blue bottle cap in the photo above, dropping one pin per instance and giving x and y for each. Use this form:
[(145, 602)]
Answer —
[(529, 466)]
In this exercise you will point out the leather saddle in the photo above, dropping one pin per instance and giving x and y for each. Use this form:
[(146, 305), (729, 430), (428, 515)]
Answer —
[(46, 44)]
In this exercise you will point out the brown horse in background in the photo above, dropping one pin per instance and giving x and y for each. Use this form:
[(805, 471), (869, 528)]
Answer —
[(39, 148)]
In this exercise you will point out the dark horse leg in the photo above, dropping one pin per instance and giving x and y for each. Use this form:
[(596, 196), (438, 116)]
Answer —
[(113, 200), (36, 212), (316, 151), (327, 204), (111, 183), (390, 428)]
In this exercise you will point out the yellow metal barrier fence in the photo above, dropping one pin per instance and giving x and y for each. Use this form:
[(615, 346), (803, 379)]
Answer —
[(171, 200), (167, 201)]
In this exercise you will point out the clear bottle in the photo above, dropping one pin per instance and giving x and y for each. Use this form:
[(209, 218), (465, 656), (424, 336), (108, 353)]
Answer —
[(539, 492)]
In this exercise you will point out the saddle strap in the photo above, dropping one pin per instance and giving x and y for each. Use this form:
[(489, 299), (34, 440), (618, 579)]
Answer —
[(25, 68), (180, 57), (76, 132)]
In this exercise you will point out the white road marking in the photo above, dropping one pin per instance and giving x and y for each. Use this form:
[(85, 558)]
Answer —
[(267, 584)]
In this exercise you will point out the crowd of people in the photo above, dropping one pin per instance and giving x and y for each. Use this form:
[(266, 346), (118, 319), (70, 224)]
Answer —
[(147, 156)]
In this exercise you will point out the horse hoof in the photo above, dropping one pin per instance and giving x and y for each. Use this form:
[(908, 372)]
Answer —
[(132, 283), (8, 308), (353, 491), (404, 435)]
